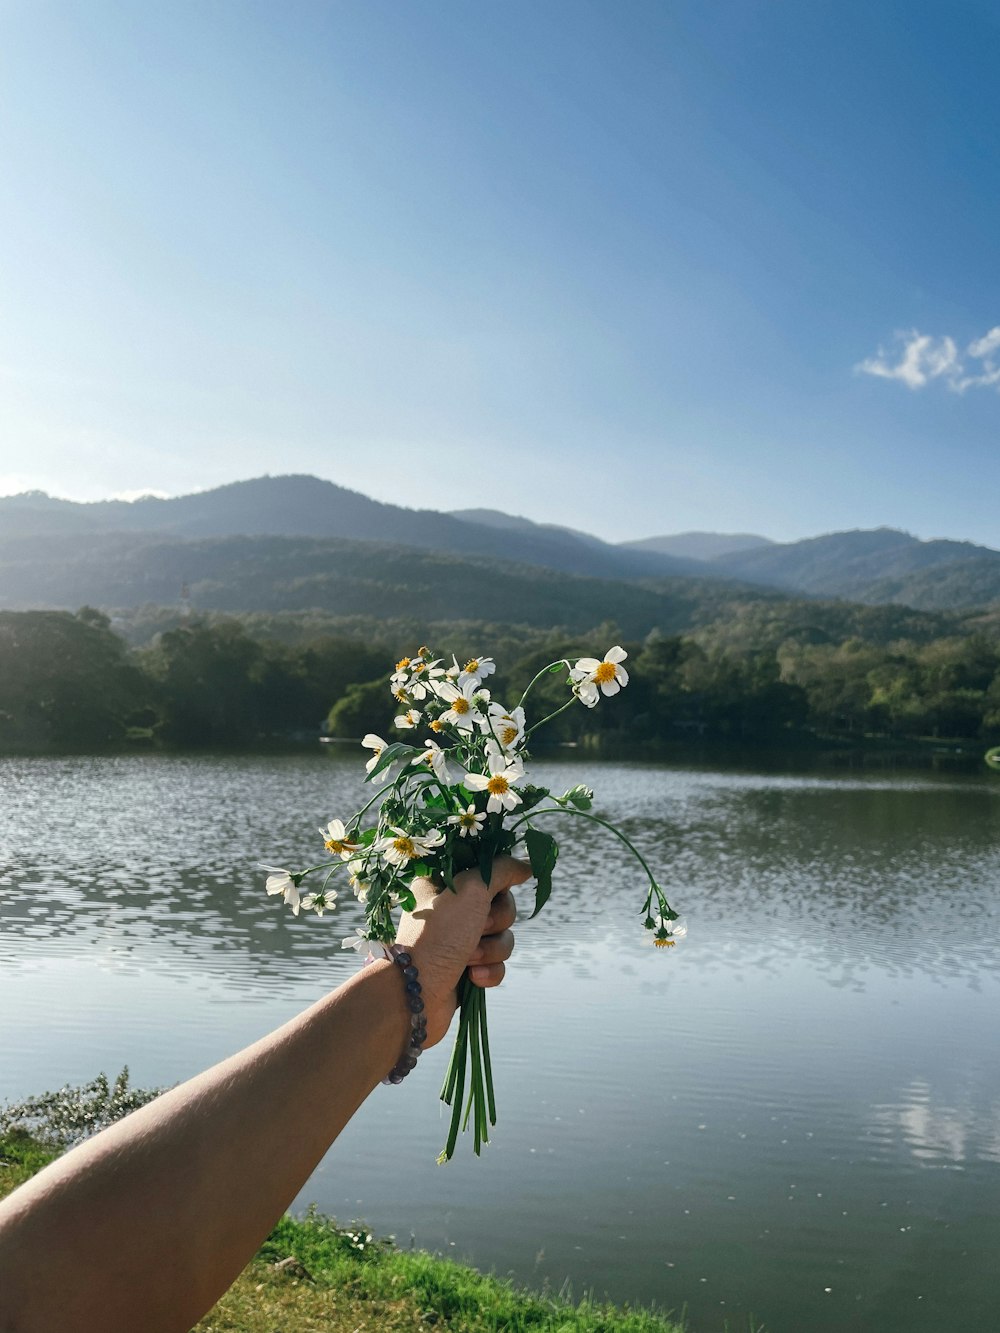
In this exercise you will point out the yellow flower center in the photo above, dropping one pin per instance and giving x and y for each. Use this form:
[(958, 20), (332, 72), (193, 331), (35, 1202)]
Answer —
[(498, 785), (405, 847), (472, 664), (423, 651), (508, 735), (436, 725), (402, 664), (419, 667), (336, 846), (604, 673), (401, 696), (461, 705), (467, 820), (664, 944)]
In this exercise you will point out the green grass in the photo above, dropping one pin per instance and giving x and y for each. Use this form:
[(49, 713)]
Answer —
[(312, 1276)]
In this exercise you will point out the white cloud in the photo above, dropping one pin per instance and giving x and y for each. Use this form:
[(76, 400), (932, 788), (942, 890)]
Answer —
[(923, 358), (986, 345)]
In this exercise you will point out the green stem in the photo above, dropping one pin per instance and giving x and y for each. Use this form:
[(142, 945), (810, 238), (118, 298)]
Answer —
[(594, 819), (454, 1089), (476, 1081), (568, 704), (487, 1064), (561, 662), (446, 792)]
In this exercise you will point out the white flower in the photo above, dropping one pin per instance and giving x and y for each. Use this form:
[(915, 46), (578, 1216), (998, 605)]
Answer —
[(360, 941), (504, 772), (283, 881), (358, 886), (506, 728), (335, 840), (319, 902), (477, 669), (669, 933), (436, 759), (376, 743), (464, 711), (469, 823), (422, 680), (402, 848), (406, 721), (589, 674)]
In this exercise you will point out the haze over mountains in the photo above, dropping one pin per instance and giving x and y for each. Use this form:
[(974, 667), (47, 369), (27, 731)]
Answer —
[(299, 541)]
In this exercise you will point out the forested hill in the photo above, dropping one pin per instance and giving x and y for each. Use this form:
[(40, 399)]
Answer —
[(271, 574), (303, 506), (881, 565)]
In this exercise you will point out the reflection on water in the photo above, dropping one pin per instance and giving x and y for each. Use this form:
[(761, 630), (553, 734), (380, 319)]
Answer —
[(795, 1113), (946, 1134)]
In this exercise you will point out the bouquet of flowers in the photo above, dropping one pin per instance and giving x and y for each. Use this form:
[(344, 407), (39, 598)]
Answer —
[(451, 804)]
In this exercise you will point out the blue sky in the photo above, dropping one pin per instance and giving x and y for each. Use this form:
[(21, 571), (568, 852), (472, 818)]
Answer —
[(634, 267)]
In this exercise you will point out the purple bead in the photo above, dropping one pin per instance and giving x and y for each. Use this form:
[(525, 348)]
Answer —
[(413, 1050), (403, 958), (410, 972), (408, 1062), (413, 988), (416, 1004), (396, 1076), (416, 1021)]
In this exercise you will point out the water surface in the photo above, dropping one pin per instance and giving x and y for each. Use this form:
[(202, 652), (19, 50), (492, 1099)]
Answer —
[(796, 1113)]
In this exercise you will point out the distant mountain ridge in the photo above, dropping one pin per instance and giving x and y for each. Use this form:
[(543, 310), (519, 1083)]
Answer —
[(875, 566), (304, 506), (701, 545)]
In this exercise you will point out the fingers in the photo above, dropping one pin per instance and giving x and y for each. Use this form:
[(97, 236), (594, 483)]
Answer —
[(507, 870), (486, 966), (494, 948), (485, 977), (503, 914)]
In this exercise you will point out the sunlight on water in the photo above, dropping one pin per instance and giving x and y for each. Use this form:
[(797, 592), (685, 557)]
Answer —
[(795, 1113)]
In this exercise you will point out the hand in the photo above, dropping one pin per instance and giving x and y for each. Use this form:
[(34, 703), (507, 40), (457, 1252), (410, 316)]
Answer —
[(448, 932)]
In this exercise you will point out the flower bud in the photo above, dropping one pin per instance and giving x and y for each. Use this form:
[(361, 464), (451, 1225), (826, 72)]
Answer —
[(579, 797)]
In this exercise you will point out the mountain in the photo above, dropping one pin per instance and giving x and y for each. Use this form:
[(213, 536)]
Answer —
[(496, 518), (345, 578), (700, 545), (96, 542), (876, 566), (308, 507)]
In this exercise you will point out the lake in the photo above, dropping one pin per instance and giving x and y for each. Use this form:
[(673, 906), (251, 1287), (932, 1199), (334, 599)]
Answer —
[(794, 1114)]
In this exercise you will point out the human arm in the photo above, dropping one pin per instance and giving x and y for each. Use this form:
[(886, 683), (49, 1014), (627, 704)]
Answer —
[(146, 1225)]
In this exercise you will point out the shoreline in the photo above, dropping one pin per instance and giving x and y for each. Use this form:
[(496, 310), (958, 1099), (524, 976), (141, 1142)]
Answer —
[(313, 1273)]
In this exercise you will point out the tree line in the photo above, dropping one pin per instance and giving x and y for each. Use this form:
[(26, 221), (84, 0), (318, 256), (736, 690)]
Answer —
[(72, 682)]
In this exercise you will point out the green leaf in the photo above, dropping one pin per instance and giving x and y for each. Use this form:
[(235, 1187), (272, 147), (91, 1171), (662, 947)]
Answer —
[(579, 797), (397, 750), (486, 854), (543, 851), (532, 796)]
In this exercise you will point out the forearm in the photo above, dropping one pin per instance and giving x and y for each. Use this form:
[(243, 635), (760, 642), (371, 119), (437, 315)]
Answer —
[(169, 1205)]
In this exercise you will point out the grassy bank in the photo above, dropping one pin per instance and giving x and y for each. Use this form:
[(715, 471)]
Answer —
[(312, 1275)]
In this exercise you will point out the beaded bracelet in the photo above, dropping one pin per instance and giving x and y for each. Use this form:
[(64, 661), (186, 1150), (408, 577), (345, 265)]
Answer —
[(418, 1023)]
